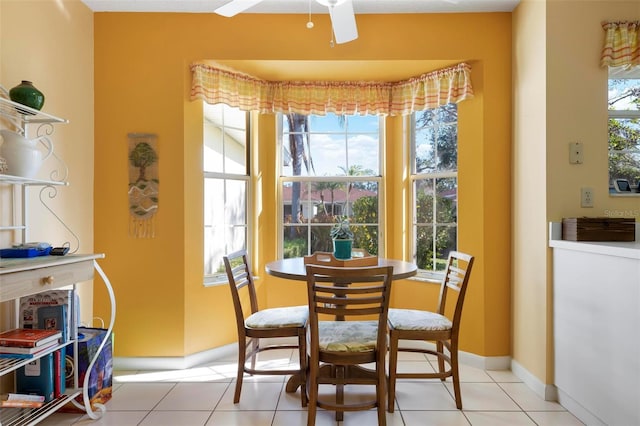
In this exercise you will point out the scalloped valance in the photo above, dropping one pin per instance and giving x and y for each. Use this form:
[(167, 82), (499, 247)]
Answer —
[(218, 84), (621, 44)]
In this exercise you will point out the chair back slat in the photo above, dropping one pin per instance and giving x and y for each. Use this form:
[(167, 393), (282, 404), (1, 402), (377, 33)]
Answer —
[(337, 311), (343, 301), (456, 278)]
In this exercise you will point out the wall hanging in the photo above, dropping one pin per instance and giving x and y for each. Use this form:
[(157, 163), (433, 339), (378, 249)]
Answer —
[(143, 184)]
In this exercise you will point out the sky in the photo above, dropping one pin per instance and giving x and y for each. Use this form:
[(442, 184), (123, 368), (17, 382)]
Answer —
[(335, 145)]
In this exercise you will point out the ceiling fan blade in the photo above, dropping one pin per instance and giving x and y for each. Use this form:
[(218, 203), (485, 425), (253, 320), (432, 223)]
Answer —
[(343, 21), (234, 7)]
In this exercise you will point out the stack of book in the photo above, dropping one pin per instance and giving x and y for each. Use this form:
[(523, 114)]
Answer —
[(27, 343)]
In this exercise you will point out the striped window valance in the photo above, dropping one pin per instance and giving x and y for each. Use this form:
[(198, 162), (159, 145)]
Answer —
[(621, 44), (219, 84)]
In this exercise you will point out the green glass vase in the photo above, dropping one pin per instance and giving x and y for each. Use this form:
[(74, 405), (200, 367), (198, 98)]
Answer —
[(26, 93)]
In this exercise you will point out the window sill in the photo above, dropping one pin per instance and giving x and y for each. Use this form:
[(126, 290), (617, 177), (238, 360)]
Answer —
[(621, 194), (428, 277), (220, 280), (215, 281)]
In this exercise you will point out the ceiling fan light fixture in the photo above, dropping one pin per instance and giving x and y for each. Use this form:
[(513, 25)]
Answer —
[(331, 3)]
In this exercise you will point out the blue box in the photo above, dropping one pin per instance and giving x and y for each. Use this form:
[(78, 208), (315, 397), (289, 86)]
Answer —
[(24, 252)]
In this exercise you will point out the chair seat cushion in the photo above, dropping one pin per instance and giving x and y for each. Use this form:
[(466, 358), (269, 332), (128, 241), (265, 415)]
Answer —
[(291, 316), (412, 319), (347, 336)]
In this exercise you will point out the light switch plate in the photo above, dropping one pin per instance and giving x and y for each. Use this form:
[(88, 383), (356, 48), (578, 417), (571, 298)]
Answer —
[(575, 153)]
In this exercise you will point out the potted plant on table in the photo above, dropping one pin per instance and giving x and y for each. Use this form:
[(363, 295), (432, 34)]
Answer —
[(342, 237)]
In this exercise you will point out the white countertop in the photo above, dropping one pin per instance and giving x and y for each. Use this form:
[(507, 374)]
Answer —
[(610, 248)]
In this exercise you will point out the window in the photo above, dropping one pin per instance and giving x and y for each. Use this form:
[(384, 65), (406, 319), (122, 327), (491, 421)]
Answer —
[(226, 186), (434, 179), (624, 132), (329, 168)]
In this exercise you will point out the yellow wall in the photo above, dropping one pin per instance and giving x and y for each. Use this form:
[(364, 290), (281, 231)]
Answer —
[(529, 288), (560, 95), (51, 43), (142, 84)]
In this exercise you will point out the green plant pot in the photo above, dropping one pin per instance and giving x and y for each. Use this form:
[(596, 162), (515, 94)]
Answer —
[(342, 249)]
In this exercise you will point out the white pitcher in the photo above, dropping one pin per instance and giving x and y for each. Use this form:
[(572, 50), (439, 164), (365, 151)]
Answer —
[(24, 157)]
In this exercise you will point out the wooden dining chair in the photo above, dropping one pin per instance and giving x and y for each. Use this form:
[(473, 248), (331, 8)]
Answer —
[(262, 324), (338, 347), (410, 324)]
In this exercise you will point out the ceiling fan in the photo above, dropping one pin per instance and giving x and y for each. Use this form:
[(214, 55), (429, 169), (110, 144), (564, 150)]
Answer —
[(343, 19)]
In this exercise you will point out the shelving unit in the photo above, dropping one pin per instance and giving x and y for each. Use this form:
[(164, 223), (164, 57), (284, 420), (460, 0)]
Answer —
[(24, 277)]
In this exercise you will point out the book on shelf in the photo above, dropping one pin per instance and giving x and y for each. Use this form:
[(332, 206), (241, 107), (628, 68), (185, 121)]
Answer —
[(54, 317), (20, 352), (28, 314), (59, 361), (21, 404), (29, 338), (22, 400), (37, 378), (24, 397)]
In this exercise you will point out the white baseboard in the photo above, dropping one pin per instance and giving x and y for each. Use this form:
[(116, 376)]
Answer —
[(578, 410), (230, 352), (175, 363), (545, 391)]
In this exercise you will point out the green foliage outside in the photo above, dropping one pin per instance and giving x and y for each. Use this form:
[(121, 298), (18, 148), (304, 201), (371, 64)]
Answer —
[(295, 248), (365, 210), (624, 133), (432, 251)]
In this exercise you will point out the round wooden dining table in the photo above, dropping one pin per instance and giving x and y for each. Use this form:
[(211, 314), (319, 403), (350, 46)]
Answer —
[(294, 268)]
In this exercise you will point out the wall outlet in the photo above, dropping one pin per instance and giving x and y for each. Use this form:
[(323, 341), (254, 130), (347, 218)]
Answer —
[(586, 197)]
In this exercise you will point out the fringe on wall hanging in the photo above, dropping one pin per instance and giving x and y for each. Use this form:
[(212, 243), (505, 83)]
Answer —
[(143, 184)]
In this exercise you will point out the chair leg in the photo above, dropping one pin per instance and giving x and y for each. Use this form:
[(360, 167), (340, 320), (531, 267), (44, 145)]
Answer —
[(340, 374), (381, 396), (255, 346), (455, 375), (242, 354), (393, 365), (302, 355), (440, 350), (312, 391)]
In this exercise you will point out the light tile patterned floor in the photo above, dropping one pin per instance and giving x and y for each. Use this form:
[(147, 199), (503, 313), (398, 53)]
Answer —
[(204, 396)]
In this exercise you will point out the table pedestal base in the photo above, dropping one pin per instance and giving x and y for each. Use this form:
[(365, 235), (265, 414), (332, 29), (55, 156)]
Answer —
[(353, 372)]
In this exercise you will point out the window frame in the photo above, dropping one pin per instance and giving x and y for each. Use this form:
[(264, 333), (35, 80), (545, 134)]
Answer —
[(281, 179), (424, 274), (621, 73), (210, 280)]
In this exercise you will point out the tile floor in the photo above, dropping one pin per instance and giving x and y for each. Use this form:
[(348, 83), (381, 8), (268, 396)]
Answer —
[(204, 396)]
